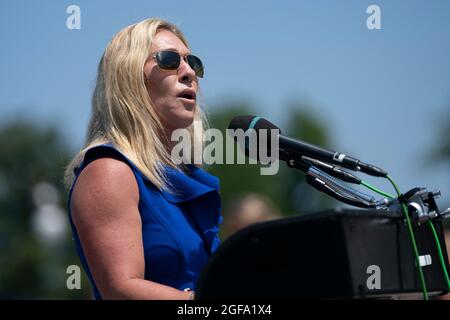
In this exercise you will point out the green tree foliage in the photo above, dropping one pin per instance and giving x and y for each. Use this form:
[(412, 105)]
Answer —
[(304, 124), (29, 268), (440, 151)]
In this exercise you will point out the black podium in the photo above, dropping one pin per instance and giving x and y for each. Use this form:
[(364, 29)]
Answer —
[(328, 255)]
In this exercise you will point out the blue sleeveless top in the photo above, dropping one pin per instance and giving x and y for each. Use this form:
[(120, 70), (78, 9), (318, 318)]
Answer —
[(179, 229)]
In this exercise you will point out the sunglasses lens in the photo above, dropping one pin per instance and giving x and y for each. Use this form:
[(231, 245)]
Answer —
[(168, 60), (196, 65)]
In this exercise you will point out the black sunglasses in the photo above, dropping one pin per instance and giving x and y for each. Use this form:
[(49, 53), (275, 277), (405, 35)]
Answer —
[(170, 60)]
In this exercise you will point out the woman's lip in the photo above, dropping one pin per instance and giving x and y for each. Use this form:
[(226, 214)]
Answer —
[(192, 101), (188, 92)]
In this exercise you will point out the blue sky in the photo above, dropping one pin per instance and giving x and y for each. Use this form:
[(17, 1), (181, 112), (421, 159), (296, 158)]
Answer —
[(382, 93)]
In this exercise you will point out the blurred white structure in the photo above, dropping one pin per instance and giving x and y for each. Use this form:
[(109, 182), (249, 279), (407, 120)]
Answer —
[(49, 220)]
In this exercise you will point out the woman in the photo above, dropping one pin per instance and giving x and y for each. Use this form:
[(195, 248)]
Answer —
[(143, 227)]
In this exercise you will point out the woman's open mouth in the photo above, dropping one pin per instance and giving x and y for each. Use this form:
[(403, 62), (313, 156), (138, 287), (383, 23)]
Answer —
[(188, 96)]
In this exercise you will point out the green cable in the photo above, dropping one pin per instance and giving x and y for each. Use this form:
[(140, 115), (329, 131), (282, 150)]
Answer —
[(377, 190), (441, 257), (413, 241), (430, 223)]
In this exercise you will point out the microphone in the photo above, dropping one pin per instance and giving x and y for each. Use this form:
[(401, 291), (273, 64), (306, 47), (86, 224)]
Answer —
[(298, 148)]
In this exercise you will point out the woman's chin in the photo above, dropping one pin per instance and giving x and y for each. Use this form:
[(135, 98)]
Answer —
[(184, 120)]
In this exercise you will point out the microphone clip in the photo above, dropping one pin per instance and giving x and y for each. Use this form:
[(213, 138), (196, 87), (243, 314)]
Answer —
[(421, 205)]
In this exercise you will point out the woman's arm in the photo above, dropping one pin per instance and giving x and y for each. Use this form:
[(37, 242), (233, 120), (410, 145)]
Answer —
[(105, 211)]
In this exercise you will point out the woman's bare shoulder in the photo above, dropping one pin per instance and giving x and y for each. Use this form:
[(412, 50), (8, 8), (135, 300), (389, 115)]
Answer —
[(106, 184)]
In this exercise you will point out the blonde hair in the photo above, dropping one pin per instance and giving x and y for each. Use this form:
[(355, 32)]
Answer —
[(122, 113)]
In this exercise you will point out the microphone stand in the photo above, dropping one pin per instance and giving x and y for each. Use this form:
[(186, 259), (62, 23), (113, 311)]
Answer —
[(329, 185), (325, 177)]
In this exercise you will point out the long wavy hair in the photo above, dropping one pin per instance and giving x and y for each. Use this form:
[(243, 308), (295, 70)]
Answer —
[(122, 112)]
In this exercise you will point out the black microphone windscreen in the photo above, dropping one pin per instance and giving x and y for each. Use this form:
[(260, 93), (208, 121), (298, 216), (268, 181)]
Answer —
[(256, 123), (243, 122)]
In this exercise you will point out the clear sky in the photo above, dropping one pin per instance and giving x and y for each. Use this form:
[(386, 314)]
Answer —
[(382, 93)]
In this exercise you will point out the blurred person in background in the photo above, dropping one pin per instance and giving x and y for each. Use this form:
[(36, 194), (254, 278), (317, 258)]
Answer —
[(143, 226), (246, 210)]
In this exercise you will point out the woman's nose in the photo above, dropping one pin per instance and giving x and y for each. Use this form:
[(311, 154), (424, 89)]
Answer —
[(186, 74)]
